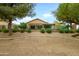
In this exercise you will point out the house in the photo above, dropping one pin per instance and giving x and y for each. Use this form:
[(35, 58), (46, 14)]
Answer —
[(36, 23), (3, 24)]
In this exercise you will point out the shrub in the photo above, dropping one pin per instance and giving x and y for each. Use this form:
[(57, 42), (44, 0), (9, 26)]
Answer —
[(66, 30), (49, 30), (61, 31), (77, 30), (14, 30), (22, 26), (42, 30), (22, 31), (71, 31), (0, 30), (5, 30), (29, 30), (47, 26)]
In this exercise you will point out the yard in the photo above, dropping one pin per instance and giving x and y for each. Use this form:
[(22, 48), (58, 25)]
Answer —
[(36, 43)]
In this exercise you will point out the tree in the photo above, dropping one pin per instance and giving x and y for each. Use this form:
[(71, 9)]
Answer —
[(23, 26), (68, 12), (11, 11)]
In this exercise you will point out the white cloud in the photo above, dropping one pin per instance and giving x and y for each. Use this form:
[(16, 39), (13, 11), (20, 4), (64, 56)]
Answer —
[(47, 15), (26, 19)]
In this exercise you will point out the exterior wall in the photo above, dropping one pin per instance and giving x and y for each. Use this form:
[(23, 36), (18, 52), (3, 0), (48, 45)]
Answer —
[(2, 24), (36, 22)]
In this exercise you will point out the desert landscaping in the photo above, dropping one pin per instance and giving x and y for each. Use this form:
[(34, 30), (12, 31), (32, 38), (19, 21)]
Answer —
[(46, 30), (37, 43)]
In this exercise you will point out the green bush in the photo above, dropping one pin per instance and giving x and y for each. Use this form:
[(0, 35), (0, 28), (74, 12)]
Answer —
[(0, 30), (49, 30), (42, 30), (5, 30), (14, 30), (29, 30), (23, 26), (66, 30), (47, 26), (22, 31), (77, 30), (61, 31), (72, 31)]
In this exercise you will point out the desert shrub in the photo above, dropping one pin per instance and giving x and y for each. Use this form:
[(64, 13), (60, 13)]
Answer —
[(71, 31), (49, 30), (77, 30), (42, 30), (0, 30), (66, 30), (22, 31), (5, 30), (61, 29), (29, 30), (15, 28)]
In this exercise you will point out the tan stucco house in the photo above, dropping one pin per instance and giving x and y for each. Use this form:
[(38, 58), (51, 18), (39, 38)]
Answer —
[(36, 23), (3, 24)]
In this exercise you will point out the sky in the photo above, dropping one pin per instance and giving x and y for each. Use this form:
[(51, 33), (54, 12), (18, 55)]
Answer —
[(43, 11)]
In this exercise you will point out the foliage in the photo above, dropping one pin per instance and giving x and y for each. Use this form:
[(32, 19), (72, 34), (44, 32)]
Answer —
[(22, 26), (77, 30), (47, 26), (15, 28), (29, 30), (0, 30), (42, 30), (5, 30), (49, 30), (65, 29), (72, 31), (22, 31), (15, 10), (62, 13), (11, 11), (68, 13), (61, 30)]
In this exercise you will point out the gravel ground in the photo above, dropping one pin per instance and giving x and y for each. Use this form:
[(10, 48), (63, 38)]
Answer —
[(38, 44)]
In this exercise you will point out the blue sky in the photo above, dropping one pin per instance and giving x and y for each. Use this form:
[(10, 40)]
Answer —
[(43, 11)]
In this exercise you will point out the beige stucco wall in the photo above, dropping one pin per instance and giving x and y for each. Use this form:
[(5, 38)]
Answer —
[(3, 23)]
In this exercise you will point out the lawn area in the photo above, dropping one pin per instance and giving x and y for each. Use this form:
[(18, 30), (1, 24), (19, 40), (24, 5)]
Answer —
[(37, 43)]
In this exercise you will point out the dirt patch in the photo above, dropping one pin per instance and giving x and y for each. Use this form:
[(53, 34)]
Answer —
[(36, 43)]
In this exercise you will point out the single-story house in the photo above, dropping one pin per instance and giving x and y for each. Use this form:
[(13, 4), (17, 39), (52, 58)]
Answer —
[(36, 23), (3, 24)]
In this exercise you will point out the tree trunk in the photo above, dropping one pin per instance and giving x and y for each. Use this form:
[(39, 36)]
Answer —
[(74, 26), (70, 25), (10, 27)]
